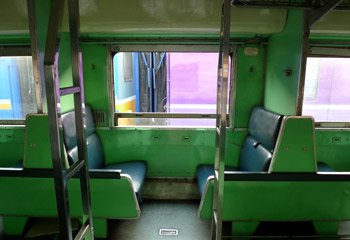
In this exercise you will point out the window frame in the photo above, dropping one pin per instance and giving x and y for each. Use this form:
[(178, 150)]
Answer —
[(190, 48), (18, 51), (328, 52)]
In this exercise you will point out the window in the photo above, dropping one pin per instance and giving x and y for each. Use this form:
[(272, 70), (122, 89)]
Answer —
[(17, 90), (174, 83), (127, 66), (327, 88)]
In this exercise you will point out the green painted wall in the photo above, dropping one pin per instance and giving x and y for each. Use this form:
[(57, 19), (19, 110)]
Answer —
[(333, 148), (250, 83), (96, 78), (168, 152), (283, 53), (65, 71), (11, 145)]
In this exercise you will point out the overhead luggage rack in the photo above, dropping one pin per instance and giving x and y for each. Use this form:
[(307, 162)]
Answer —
[(306, 4)]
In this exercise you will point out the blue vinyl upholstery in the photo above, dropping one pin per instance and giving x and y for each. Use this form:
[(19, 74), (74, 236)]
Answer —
[(257, 148), (264, 127), (254, 157), (135, 169), (323, 167), (204, 172)]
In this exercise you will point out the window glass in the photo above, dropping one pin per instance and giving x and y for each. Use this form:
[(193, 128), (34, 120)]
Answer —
[(327, 88), (127, 68), (17, 90), (162, 82)]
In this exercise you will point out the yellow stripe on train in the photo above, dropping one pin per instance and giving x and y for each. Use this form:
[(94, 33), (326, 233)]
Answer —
[(126, 105), (5, 104)]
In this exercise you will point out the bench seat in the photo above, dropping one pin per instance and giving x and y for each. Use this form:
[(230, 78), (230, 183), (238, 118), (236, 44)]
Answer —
[(204, 172), (257, 148), (135, 169)]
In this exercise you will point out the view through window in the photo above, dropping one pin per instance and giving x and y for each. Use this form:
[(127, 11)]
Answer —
[(327, 89), (17, 90), (160, 82)]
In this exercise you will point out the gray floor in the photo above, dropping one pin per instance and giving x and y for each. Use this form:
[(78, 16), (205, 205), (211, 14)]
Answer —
[(157, 215)]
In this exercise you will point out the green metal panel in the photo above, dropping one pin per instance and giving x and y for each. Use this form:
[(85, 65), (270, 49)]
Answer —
[(37, 151), (295, 148), (281, 201), (333, 23), (13, 40), (65, 71), (168, 152), (11, 145), (96, 78), (157, 16), (36, 197), (182, 16), (13, 17), (250, 84), (14, 225), (332, 147), (284, 53)]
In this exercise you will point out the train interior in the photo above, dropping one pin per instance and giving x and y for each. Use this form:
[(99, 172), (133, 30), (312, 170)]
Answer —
[(149, 73)]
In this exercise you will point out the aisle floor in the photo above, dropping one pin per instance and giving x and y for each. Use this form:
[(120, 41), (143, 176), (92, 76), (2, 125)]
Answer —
[(163, 220)]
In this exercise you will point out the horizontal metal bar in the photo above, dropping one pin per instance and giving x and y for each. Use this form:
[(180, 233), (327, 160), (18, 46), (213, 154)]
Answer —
[(164, 48), (105, 173), (82, 232), (69, 90), (166, 115), (48, 173), (72, 171), (163, 115), (15, 51), (332, 125), (287, 177), (163, 43), (12, 122), (272, 4), (329, 52), (307, 4), (26, 173)]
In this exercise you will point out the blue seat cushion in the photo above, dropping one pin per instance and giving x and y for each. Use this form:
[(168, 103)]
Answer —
[(95, 153), (323, 167), (254, 157), (69, 130), (135, 169), (204, 172), (264, 126), (18, 165)]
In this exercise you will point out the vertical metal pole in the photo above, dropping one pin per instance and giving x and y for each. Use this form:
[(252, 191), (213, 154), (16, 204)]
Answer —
[(221, 120), (79, 103), (54, 117), (38, 72), (51, 82), (304, 54), (150, 82), (233, 86)]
